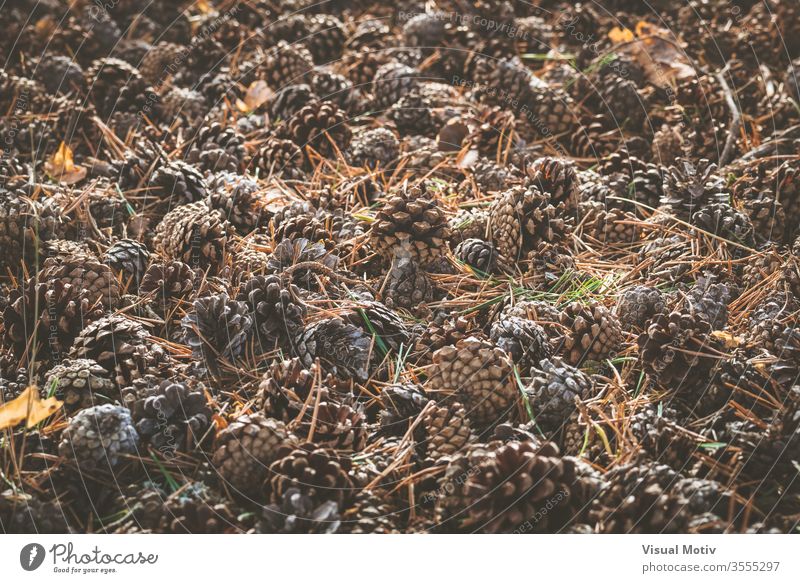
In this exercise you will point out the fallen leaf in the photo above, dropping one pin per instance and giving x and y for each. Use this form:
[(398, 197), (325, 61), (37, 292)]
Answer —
[(62, 168), (658, 52), (257, 95), (620, 34), (728, 340), (28, 407)]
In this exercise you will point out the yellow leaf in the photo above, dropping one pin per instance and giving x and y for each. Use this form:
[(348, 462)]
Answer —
[(28, 407), (62, 168), (728, 340), (620, 35), (257, 95)]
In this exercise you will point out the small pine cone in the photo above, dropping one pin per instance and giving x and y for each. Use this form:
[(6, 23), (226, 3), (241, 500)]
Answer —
[(297, 513), (238, 199), (556, 177), (612, 226), (128, 258), (215, 148), (593, 333), (520, 218), (722, 219), (276, 307), (469, 224), (168, 282), (80, 383), (479, 375), (321, 474), (636, 305), (640, 498), (524, 340), (245, 449), (667, 146), (279, 157), (342, 348), (98, 437), (322, 127), (440, 334), (542, 313), (478, 254), (447, 431), (36, 310), (508, 488), (376, 148), (82, 273), (391, 83), (122, 347), (287, 64), (410, 223), (548, 263), (552, 391), (217, 327), (169, 415), (330, 86), (677, 348), (371, 514), (788, 194), (335, 425), (402, 403), (177, 183), (287, 385), (709, 300), (21, 513), (407, 285), (194, 234), (663, 439), (412, 115), (290, 99)]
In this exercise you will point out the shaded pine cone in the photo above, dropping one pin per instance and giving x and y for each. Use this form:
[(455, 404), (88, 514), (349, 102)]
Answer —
[(194, 234), (121, 346), (637, 304), (43, 308), (319, 473), (315, 258), (335, 425), (392, 82), (217, 148), (322, 127), (401, 404), (410, 222), (238, 199), (297, 513), (640, 498), (407, 285), (593, 332), (217, 327), (128, 258), (480, 255), (286, 386), (524, 340), (690, 187), (709, 299), (556, 177), (552, 391), (245, 449), (279, 157), (375, 148), (509, 488), (98, 437), (170, 281), (677, 348), (370, 513), (85, 274), (520, 218), (22, 513), (177, 183), (287, 64), (662, 438), (447, 431), (342, 348), (276, 307), (23, 223), (171, 416), (80, 383), (478, 374)]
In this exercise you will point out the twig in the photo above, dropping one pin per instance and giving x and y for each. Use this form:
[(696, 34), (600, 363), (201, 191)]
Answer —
[(733, 129)]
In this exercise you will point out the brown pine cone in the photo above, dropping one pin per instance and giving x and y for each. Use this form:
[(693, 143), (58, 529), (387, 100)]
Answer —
[(447, 430), (194, 234), (593, 332), (319, 473), (478, 374)]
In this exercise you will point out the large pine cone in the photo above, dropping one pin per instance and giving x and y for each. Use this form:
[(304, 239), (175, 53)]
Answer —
[(193, 234), (276, 307), (552, 392), (478, 374), (593, 332), (342, 348), (98, 437), (319, 473), (217, 327), (245, 449), (80, 383), (410, 223)]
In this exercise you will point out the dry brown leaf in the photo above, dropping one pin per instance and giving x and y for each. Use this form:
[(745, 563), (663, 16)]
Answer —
[(728, 340), (28, 407), (257, 95), (658, 52), (62, 168), (620, 34)]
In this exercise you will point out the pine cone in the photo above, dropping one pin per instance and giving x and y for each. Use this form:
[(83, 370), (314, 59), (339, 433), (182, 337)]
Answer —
[(321, 474), (524, 340), (97, 437), (478, 254), (217, 327), (167, 282), (322, 127), (342, 348), (128, 258), (479, 375), (80, 383), (552, 391), (637, 305), (594, 333), (276, 307), (194, 234), (447, 431), (246, 448), (216, 148), (297, 513), (407, 285)]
